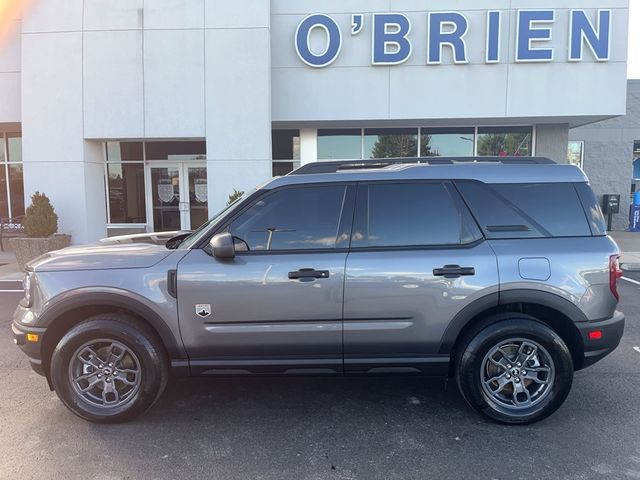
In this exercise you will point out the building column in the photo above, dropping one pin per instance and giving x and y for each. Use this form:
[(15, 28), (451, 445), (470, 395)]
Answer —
[(57, 160), (238, 97), (552, 141), (308, 145)]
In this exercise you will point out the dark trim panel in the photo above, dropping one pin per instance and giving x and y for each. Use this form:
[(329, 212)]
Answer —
[(545, 299), (463, 317)]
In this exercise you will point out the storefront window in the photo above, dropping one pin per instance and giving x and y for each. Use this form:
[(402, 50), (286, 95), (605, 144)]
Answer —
[(124, 152), (126, 193), (636, 161), (576, 153), (390, 142), (178, 150), (447, 142), (286, 151), (340, 144), (11, 178), (505, 141)]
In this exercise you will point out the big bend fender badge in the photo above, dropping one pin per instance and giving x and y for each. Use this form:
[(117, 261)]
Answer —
[(203, 310)]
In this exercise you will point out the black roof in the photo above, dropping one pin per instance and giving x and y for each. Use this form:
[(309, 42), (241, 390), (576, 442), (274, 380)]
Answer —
[(333, 166)]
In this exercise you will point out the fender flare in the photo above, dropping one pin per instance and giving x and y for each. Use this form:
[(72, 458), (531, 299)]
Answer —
[(115, 299), (477, 307)]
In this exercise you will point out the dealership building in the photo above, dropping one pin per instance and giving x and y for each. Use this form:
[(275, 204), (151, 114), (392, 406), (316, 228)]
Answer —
[(143, 115)]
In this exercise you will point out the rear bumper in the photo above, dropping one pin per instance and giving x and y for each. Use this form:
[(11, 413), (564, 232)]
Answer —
[(612, 330), (30, 349)]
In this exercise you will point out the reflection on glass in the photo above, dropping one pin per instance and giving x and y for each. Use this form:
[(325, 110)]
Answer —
[(124, 151), (165, 188), (447, 142), (14, 147), (16, 187), (636, 148), (4, 204), (505, 141), (126, 193), (178, 150), (390, 142), (280, 169), (575, 151), (340, 144), (285, 144), (198, 196)]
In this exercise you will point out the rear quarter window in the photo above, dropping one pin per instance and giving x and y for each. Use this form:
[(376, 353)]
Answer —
[(527, 210)]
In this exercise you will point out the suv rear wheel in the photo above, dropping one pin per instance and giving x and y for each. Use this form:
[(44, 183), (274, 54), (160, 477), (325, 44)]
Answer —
[(515, 370), (109, 368)]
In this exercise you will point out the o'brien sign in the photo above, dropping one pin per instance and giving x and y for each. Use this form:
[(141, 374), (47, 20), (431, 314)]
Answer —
[(391, 42)]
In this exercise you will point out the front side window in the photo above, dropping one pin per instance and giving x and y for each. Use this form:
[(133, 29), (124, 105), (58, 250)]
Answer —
[(410, 214), (296, 218), (505, 141)]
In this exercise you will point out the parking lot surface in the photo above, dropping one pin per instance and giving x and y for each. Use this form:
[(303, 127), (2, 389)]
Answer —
[(324, 428)]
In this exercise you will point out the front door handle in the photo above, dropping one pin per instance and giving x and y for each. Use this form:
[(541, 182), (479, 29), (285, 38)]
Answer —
[(306, 274), (453, 271)]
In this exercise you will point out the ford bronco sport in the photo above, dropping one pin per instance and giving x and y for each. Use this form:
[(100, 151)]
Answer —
[(495, 271)]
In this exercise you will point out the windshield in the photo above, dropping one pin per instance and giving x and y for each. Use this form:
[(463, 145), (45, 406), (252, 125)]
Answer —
[(204, 228)]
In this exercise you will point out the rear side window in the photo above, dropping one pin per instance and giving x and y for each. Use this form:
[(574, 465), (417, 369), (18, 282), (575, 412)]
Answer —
[(411, 214), (592, 209), (526, 210)]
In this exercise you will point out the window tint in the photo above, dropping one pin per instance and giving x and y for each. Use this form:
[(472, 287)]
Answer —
[(592, 209), (410, 214), (292, 219), (526, 210)]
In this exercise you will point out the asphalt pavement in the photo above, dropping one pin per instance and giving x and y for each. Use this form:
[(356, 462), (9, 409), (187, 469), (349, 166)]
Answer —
[(328, 428)]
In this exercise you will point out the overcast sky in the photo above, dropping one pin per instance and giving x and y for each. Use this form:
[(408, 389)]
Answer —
[(634, 39)]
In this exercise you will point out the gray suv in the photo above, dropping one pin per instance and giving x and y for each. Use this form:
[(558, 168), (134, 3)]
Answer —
[(497, 272)]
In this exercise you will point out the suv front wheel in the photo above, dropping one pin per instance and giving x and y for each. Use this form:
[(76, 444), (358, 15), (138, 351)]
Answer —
[(109, 368), (515, 370)]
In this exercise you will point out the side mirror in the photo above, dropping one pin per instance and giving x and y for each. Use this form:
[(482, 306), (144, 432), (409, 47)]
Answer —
[(222, 246)]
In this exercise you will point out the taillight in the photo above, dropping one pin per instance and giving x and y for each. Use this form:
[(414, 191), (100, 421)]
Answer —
[(615, 273)]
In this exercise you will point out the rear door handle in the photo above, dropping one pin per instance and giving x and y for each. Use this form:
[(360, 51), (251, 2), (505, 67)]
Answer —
[(306, 274), (453, 271)]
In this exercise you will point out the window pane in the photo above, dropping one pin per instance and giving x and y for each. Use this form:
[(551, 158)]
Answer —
[(390, 142), (399, 214), (636, 148), (2, 145), (4, 204), (179, 150), (126, 193), (280, 169), (292, 219), (16, 187), (14, 141), (340, 144), (285, 144), (125, 151), (575, 153), (592, 209), (526, 210), (505, 141), (449, 142)]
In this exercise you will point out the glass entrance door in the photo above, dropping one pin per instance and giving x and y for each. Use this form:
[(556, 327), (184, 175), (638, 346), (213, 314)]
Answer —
[(179, 196)]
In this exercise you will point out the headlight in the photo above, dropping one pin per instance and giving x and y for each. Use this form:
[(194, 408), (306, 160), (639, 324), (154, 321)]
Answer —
[(26, 284)]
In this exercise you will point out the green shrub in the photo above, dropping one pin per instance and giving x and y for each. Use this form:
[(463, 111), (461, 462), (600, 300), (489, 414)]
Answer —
[(234, 196), (40, 219)]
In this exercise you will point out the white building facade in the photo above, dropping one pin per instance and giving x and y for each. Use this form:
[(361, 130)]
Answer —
[(142, 115)]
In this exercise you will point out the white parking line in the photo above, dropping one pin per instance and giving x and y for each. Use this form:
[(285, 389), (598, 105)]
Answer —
[(630, 280), (11, 291), (637, 349)]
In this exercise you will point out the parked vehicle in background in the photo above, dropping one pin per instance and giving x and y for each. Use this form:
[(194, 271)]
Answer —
[(495, 271)]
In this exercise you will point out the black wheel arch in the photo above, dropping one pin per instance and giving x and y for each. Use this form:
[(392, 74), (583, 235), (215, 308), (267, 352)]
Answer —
[(555, 311), (64, 314)]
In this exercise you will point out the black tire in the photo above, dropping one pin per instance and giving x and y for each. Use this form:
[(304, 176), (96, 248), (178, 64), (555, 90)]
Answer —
[(472, 362), (144, 354)]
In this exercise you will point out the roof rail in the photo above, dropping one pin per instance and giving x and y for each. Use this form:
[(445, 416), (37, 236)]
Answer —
[(334, 166)]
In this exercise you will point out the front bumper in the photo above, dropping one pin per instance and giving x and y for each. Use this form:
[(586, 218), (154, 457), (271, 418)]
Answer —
[(611, 332), (32, 349)]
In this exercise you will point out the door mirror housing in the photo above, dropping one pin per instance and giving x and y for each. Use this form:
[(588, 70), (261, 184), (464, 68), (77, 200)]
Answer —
[(222, 246)]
